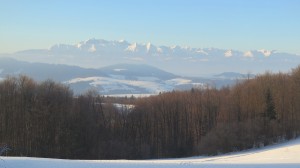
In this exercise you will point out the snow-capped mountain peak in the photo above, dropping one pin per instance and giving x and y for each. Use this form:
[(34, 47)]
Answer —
[(78, 45), (95, 41), (265, 52), (94, 53), (92, 48), (122, 41), (248, 54), (228, 53), (132, 47), (148, 46)]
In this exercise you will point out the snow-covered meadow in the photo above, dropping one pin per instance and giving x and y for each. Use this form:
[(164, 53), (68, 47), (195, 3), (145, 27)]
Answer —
[(284, 155), (150, 85)]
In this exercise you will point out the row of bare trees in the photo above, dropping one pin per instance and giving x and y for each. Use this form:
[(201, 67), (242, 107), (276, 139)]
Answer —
[(46, 120), (32, 116)]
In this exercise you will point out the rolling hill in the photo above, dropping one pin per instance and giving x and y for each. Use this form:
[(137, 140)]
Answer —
[(118, 79)]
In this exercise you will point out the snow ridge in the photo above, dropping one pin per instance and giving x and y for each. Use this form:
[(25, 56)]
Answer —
[(100, 45)]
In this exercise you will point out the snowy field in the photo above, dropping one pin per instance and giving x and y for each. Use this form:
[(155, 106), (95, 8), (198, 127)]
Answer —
[(285, 155)]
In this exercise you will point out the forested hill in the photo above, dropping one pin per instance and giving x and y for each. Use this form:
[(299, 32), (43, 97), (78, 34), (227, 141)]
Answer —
[(45, 119)]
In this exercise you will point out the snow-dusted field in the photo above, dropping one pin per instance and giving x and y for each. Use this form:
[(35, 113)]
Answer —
[(151, 85), (285, 155)]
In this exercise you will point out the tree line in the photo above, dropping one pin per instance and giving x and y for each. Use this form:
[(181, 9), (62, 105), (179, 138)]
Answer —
[(45, 119)]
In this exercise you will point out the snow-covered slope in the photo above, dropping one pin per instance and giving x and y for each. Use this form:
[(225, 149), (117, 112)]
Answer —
[(129, 79), (95, 53), (134, 79), (140, 85), (285, 155)]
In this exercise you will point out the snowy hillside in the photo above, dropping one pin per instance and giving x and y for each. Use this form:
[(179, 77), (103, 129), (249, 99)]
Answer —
[(285, 155), (134, 79), (95, 53), (129, 79)]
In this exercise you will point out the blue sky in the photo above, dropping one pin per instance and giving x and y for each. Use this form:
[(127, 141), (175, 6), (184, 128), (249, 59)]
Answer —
[(228, 24)]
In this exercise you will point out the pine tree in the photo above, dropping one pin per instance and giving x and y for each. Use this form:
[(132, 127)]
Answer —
[(270, 107)]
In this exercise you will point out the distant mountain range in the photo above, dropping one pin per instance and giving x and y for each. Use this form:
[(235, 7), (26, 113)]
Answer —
[(96, 53), (120, 67), (127, 79)]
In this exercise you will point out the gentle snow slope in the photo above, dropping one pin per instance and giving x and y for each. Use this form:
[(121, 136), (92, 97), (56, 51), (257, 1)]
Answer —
[(277, 156)]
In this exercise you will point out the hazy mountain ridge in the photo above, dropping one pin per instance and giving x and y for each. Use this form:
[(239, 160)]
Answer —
[(44, 71), (114, 79), (95, 53)]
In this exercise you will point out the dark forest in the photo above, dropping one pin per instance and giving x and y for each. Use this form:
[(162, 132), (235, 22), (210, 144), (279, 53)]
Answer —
[(45, 119)]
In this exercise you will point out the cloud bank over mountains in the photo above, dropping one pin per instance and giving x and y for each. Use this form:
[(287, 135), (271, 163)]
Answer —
[(96, 53)]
